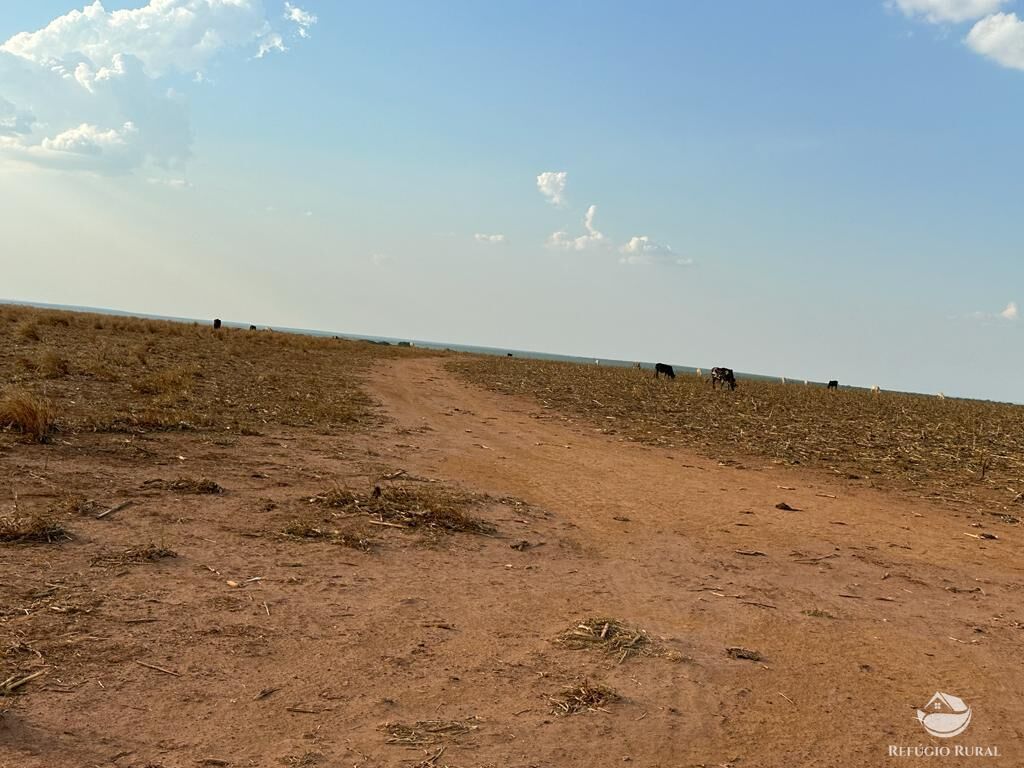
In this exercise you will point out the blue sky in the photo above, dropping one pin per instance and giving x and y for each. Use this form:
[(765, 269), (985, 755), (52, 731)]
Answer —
[(821, 190)]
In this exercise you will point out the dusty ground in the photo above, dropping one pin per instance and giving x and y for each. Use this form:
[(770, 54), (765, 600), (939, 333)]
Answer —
[(861, 604)]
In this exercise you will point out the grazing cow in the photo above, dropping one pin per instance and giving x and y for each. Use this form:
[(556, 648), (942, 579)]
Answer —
[(941, 396), (508, 354), (660, 368), (253, 328), (874, 389), (216, 324), (783, 378), (723, 376), (700, 373), (833, 384)]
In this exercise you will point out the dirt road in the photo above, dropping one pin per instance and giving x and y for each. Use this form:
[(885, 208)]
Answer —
[(862, 605), (255, 649)]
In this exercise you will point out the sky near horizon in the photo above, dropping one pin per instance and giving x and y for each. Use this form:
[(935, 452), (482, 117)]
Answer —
[(809, 189)]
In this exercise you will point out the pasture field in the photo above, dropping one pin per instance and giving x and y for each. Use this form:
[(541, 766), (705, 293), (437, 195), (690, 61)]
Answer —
[(964, 451), (246, 548)]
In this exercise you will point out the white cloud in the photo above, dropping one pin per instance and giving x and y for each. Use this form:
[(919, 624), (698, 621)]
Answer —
[(68, 90), (999, 37), (552, 185), (642, 250), (270, 43), (380, 259), (165, 35), (302, 20), (1010, 313), (955, 11), (593, 238), (481, 238)]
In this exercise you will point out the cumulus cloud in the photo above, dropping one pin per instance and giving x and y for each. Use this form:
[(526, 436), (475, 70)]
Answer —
[(955, 11), (552, 185), (300, 18), (482, 238), (1010, 313), (642, 250), (270, 43), (591, 240), (92, 89), (999, 37)]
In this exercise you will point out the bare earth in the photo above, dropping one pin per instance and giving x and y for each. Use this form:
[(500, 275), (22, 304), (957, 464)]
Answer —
[(860, 603)]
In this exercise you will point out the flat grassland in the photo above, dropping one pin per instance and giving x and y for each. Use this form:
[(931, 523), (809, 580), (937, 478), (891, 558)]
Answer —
[(966, 451), (248, 548)]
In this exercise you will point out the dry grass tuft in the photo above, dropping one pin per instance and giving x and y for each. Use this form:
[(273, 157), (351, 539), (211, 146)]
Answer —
[(28, 414), (428, 731), (428, 507), (202, 485), (26, 528), (610, 636), (582, 697), (298, 529), (173, 381), (51, 365), (28, 331), (150, 553)]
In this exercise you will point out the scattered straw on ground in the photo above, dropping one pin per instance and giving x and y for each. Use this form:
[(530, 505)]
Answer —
[(428, 731), (150, 553), (201, 485), (298, 529), (582, 697), (610, 636), (406, 506), (26, 528)]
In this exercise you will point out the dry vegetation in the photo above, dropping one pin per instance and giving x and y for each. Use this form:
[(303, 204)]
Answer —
[(582, 697), (408, 506), (26, 528), (960, 450), (88, 372)]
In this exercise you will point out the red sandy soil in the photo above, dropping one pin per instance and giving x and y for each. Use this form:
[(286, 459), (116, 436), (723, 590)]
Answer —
[(461, 627)]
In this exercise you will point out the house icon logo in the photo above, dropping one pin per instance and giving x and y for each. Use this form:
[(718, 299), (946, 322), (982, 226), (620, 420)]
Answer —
[(945, 716)]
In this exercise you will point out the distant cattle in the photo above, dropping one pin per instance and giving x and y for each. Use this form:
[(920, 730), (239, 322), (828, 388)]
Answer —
[(508, 354), (875, 390), (661, 368), (941, 396), (253, 328), (700, 373), (216, 324), (833, 384), (723, 376)]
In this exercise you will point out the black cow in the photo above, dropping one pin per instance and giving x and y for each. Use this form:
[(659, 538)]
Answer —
[(723, 376), (216, 324), (833, 384), (660, 368)]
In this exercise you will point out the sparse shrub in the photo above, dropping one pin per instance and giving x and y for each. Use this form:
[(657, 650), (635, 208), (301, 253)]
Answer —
[(25, 413)]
